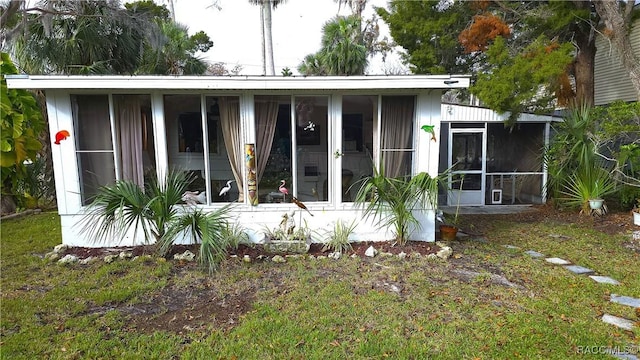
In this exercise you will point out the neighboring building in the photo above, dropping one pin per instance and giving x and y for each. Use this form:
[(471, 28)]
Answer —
[(611, 80), (319, 134), (500, 165)]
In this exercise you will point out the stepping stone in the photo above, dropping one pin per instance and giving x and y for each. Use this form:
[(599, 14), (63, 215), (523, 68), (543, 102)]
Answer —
[(577, 269), (625, 300), (604, 280), (618, 321), (511, 247), (534, 254), (558, 261)]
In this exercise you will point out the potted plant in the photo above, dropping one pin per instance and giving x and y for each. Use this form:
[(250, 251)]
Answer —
[(587, 189), (449, 228)]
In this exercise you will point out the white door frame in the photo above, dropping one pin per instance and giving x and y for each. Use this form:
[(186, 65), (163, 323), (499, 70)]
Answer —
[(468, 197)]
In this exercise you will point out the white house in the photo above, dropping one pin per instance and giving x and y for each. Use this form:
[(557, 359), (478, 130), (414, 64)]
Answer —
[(318, 134)]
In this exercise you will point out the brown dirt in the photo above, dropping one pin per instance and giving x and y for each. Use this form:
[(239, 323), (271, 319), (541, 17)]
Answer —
[(189, 307)]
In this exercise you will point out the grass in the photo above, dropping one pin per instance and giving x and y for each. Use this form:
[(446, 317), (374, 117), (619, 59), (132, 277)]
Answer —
[(326, 309)]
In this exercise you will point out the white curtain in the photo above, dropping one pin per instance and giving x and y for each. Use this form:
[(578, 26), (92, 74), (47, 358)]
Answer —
[(266, 110), (396, 130), (129, 118), (230, 123)]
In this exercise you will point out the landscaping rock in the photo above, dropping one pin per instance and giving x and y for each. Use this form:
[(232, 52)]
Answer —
[(185, 256), (246, 258), (335, 255), (68, 259), (402, 255), (60, 248), (87, 261), (445, 253), (52, 256), (278, 259), (432, 257), (125, 255), (110, 258), (371, 252)]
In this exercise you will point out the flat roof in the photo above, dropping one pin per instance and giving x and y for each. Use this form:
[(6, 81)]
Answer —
[(238, 82)]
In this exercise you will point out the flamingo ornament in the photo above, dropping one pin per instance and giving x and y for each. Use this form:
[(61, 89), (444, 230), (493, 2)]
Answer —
[(283, 189)]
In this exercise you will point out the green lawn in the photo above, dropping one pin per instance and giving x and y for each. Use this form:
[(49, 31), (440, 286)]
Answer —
[(488, 302)]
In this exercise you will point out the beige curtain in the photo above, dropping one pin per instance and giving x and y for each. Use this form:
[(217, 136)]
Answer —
[(396, 133), (266, 110), (230, 123), (129, 118)]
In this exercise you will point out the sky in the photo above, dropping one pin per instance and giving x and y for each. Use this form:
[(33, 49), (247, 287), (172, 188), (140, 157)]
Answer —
[(297, 30)]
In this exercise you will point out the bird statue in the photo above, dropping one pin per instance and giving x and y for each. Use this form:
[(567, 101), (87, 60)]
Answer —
[(300, 205), (226, 188), (283, 189), (194, 197)]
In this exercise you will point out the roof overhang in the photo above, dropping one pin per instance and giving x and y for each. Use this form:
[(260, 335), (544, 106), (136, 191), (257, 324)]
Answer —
[(114, 82)]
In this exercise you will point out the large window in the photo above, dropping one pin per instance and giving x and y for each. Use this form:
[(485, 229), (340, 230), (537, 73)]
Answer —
[(359, 120), (281, 127), (94, 146), (98, 164), (396, 138), (187, 125)]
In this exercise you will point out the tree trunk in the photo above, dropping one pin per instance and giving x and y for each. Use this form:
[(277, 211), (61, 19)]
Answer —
[(583, 67), (267, 38), (617, 26)]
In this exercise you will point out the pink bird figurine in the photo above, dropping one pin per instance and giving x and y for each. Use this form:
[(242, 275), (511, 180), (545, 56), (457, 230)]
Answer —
[(283, 189)]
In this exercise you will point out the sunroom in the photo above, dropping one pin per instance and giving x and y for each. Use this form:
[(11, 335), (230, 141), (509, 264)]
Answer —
[(316, 136)]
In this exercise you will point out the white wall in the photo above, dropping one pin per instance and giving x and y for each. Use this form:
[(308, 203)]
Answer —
[(254, 219)]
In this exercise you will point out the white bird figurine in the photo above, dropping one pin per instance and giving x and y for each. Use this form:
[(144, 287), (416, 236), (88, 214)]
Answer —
[(194, 197), (226, 189)]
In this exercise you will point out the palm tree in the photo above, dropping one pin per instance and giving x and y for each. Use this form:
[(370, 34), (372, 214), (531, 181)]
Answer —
[(123, 207), (342, 49), (393, 200), (268, 67)]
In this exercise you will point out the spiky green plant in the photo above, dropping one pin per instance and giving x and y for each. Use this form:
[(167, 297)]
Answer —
[(339, 237), (124, 206), (392, 200), (588, 184)]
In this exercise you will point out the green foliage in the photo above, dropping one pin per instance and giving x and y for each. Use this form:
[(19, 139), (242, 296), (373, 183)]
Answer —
[(393, 200), (92, 37), (208, 229), (520, 82), (428, 31), (588, 184), (342, 309), (234, 234), (174, 52), (21, 123), (123, 207), (572, 149), (342, 50), (339, 237)]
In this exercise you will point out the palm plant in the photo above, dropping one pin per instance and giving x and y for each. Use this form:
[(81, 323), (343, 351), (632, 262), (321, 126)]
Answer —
[(123, 207), (392, 200), (588, 184)]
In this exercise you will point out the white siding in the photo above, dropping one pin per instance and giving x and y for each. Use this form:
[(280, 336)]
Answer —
[(611, 81)]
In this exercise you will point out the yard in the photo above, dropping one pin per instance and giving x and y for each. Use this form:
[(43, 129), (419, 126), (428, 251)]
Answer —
[(488, 301)]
